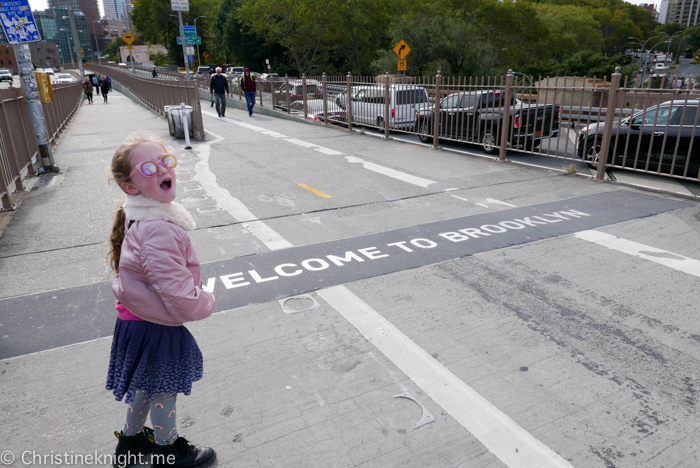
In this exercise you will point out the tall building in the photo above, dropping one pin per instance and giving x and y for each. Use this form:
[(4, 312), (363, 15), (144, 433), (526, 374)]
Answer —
[(685, 12), (663, 11), (89, 7), (54, 27)]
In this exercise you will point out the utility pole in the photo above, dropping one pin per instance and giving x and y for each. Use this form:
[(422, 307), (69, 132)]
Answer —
[(19, 35), (97, 46), (76, 43), (184, 46)]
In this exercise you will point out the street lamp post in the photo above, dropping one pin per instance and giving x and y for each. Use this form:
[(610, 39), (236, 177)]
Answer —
[(646, 59), (97, 46), (199, 63)]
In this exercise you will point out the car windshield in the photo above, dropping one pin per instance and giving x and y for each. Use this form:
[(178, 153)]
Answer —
[(65, 77), (411, 96)]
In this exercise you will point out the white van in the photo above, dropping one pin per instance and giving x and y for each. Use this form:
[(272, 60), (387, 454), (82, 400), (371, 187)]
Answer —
[(368, 107)]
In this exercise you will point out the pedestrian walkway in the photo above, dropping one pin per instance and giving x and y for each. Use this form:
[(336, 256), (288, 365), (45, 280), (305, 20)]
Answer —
[(512, 358), (279, 389)]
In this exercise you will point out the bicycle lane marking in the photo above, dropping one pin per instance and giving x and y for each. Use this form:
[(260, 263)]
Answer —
[(377, 168), (493, 428)]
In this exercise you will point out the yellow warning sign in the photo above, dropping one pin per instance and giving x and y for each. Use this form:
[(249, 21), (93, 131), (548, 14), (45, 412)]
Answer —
[(130, 47), (205, 55), (402, 65), (128, 38), (402, 49)]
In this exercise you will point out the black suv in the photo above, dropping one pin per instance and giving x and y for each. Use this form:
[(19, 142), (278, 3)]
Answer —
[(660, 139)]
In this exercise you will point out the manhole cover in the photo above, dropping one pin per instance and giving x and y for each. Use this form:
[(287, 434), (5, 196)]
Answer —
[(294, 304)]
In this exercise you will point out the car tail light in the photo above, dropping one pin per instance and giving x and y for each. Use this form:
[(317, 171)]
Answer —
[(560, 115), (516, 122), (393, 113)]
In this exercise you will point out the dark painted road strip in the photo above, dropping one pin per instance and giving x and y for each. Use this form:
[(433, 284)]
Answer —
[(47, 320)]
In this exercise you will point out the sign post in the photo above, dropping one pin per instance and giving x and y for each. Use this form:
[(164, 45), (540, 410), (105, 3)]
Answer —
[(402, 49), (180, 6), (129, 39), (20, 29)]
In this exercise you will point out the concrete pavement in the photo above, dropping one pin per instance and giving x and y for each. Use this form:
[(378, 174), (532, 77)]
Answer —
[(595, 359)]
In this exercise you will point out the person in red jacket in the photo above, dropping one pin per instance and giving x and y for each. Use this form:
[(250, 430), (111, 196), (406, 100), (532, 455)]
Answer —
[(249, 87)]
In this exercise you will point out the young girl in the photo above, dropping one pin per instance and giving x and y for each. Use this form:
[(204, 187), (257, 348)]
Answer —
[(158, 288)]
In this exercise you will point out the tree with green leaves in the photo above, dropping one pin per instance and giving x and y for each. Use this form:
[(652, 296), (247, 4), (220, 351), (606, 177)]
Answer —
[(302, 27)]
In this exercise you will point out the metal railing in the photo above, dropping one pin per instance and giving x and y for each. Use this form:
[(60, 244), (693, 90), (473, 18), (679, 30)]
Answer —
[(157, 93), (606, 124), (18, 149)]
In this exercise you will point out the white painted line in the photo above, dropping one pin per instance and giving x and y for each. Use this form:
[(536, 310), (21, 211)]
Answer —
[(498, 202), (305, 144), (508, 441), (463, 199), (264, 131), (481, 205), (327, 151), (231, 205), (402, 176), (271, 238), (662, 257)]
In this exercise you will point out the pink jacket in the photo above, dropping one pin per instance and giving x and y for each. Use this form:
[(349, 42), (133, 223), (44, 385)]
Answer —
[(159, 274)]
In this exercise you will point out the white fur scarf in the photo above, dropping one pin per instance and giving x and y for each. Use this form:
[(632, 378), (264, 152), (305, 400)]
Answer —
[(142, 208)]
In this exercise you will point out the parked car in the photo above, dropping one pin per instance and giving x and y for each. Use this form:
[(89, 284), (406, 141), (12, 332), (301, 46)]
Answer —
[(648, 137), (296, 92), (48, 71), (5, 75), (341, 99), (314, 108), (477, 116), (234, 71), (405, 101), (63, 78), (204, 71)]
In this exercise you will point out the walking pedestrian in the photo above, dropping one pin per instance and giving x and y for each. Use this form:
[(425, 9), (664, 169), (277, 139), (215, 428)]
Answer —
[(87, 86), (154, 73), (109, 82), (219, 85), (96, 83), (249, 87), (105, 89), (158, 288)]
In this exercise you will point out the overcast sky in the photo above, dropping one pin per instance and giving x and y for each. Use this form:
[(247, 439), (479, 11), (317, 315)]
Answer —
[(44, 4)]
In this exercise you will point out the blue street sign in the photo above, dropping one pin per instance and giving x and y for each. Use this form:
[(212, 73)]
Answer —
[(18, 21), (189, 31)]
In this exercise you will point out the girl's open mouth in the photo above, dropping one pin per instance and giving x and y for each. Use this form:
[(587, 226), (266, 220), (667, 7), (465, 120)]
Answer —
[(166, 184)]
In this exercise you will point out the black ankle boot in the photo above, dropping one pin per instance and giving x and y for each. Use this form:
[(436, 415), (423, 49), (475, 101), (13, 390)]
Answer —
[(131, 450), (182, 454)]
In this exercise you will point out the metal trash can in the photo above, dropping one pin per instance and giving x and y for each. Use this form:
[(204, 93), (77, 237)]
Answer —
[(175, 120)]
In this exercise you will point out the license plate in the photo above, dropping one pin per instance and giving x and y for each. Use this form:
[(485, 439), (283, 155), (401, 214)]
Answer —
[(538, 134)]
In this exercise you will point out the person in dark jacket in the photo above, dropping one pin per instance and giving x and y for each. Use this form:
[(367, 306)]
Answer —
[(104, 87), (219, 85), (248, 86), (154, 73)]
